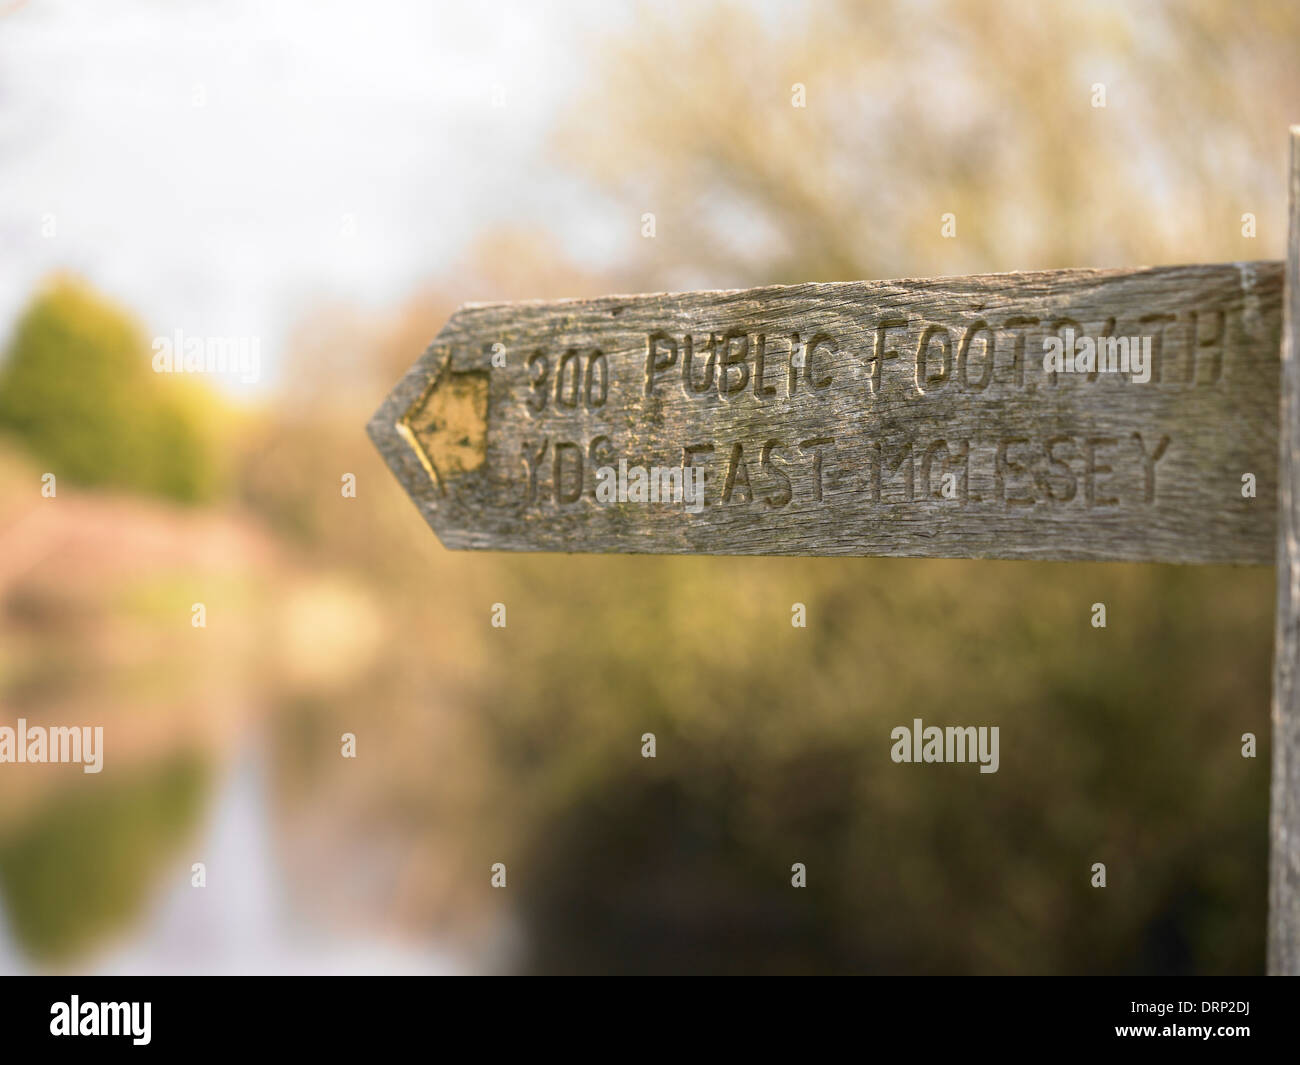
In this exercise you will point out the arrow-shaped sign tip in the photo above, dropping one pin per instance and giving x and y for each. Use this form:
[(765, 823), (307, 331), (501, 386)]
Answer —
[(432, 428)]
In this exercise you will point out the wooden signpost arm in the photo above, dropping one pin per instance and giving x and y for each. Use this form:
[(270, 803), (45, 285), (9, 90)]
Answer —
[(913, 418)]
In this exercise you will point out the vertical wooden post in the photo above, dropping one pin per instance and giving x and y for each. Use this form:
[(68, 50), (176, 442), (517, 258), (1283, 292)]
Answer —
[(1284, 821)]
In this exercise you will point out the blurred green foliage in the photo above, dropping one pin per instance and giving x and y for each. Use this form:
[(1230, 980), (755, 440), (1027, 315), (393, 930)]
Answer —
[(1119, 745), (85, 864), (78, 389)]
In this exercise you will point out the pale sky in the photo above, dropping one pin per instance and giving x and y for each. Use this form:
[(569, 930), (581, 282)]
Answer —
[(221, 166)]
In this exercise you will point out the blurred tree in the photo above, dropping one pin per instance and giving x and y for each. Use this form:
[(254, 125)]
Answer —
[(78, 389), (982, 109)]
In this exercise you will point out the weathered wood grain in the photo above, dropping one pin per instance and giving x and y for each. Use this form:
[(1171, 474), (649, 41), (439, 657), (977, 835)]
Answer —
[(845, 451), (1284, 825)]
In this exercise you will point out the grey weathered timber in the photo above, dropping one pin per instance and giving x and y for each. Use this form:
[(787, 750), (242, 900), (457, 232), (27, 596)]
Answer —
[(906, 418), (1284, 825)]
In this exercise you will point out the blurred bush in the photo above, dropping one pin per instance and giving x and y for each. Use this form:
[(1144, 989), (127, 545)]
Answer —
[(1120, 745), (78, 390)]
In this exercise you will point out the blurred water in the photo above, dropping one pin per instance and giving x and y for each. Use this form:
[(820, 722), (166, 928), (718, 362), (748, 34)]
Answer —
[(242, 921), (9, 957)]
